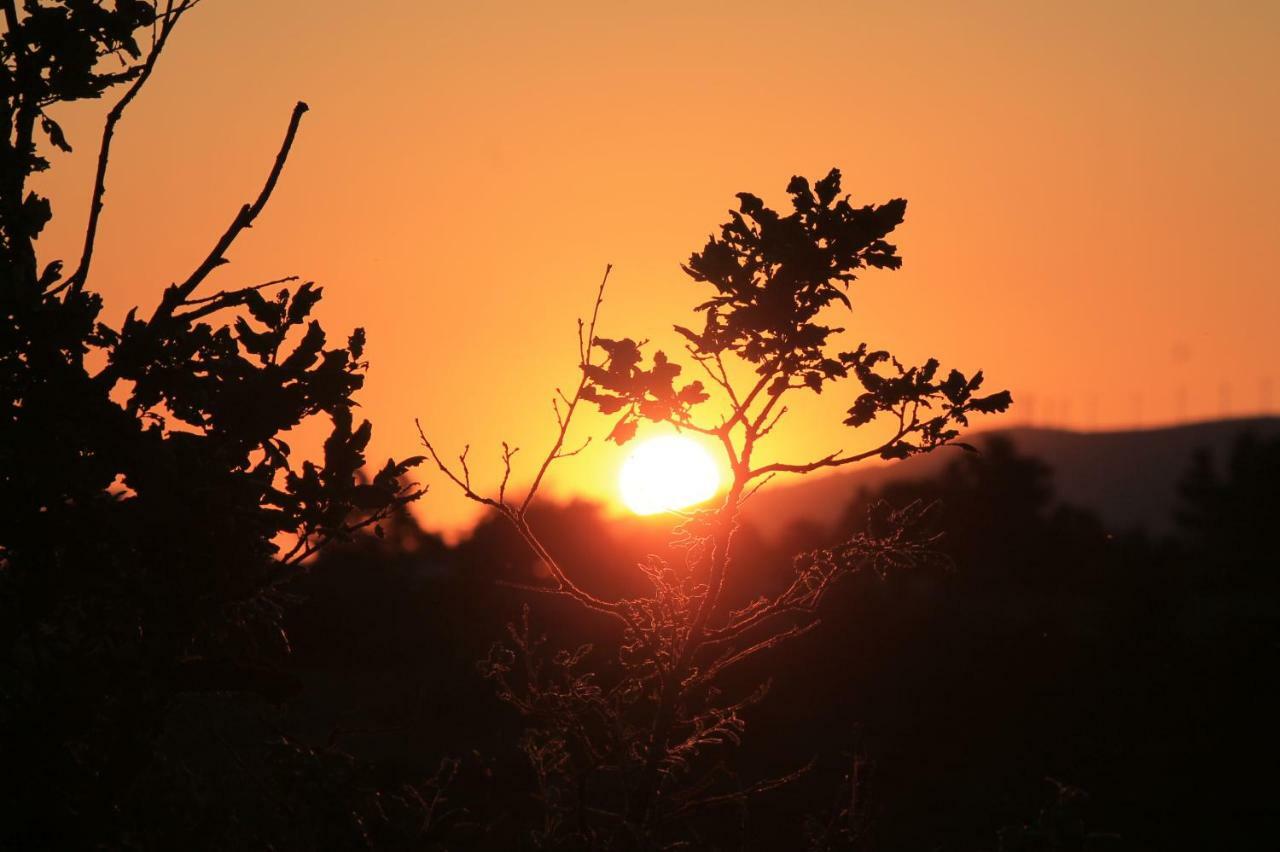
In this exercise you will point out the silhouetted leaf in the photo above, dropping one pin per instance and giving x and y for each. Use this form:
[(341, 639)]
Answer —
[(828, 188), (624, 430), (302, 302), (992, 404), (307, 350), (356, 343), (54, 133)]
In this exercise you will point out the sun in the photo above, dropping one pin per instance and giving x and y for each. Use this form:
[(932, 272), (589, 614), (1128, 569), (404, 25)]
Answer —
[(668, 472)]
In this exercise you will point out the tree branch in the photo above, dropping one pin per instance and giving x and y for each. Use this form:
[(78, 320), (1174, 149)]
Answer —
[(741, 795), (176, 294), (226, 299), (515, 516), (763, 645), (833, 460), (76, 280), (585, 345), (464, 482)]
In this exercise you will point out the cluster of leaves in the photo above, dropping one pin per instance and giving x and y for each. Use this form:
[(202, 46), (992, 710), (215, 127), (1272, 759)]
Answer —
[(242, 387), (620, 384), (909, 390), (66, 41), (54, 55), (773, 274)]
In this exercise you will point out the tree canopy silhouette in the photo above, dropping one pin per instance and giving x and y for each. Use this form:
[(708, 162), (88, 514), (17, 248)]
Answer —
[(155, 506), (629, 745)]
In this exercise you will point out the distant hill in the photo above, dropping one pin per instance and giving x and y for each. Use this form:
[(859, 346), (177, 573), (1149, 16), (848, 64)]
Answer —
[(1129, 478)]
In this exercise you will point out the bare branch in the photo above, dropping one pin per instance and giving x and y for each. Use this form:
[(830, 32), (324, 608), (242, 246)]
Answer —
[(225, 299), (567, 586), (721, 378), (170, 19), (564, 585), (463, 485), (462, 460), (756, 425), (586, 342), (507, 453), (233, 293), (741, 411), (684, 423), (756, 617), (761, 484), (763, 645), (832, 460), (306, 546), (768, 427), (724, 377), (740, 796), (176, 294), (580, 448)]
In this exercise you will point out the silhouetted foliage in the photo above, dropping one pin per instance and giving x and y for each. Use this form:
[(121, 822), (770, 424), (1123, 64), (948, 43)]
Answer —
[(936, 701), (966, 655), (630, 744), (156, 508), (773, 275), (1227, 513)]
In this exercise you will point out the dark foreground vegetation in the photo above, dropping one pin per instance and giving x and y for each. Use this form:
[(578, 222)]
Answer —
[(1055, 685), (209, 642)]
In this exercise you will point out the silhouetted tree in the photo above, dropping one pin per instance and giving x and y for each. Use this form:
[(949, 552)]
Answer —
[(1228, 509), (154, 508), (629, 751)]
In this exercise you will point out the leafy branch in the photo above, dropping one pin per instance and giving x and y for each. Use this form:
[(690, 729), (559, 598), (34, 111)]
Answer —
[(773, 278)]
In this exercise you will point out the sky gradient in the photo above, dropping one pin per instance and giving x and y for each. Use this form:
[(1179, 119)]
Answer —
[(1092, 191)]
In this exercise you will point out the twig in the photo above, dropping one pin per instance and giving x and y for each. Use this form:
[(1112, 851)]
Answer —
[(724, 375), (571, 453), (585, 345), (507, 453), (229, 293), (77, 279), (308, 547), (464, 485), (774, 422), (832, 460), (761, 484), (740, 795), (222, 301), (763, 645), (176, 294), (462, 460)]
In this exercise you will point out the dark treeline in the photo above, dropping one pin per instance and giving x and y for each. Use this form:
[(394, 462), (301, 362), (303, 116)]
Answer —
[(1049, 684)]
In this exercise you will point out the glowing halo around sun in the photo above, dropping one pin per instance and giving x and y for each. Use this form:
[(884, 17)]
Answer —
[(668, 472)]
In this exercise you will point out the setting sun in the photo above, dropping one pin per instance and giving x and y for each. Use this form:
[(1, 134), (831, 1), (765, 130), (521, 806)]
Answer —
[(670, 472)]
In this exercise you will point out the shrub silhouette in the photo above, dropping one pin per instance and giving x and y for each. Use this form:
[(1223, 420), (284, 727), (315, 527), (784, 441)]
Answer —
[(628, 745), (1050, 645), (156, 506), (1227, 515)]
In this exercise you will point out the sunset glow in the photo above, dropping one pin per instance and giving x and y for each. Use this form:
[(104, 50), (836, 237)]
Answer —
[(665, 473), (593, 426), (583, 134)]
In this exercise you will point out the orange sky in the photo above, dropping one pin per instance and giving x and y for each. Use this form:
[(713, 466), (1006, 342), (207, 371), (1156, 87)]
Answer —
[(1093, 191)]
